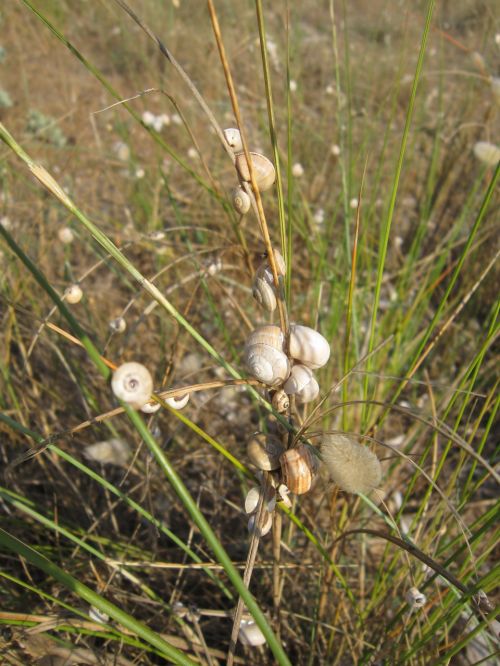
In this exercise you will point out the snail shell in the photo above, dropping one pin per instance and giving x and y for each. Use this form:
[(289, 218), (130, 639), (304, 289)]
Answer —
[(308, 346), (133, 384), (233, 137), (150, 407), (264, 451), (302, 384), (178, 402), (280, 401), (267, 523), (263, 292), (253, 496), (250, 634), (264, 355), (118, 325), (240, 200), (73, 294), (298, 467), (263, 168)]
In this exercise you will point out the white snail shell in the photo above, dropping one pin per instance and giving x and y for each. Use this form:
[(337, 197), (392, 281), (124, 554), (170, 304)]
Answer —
[(264, 355), (150, 407), (298, 467), (253, 496), (178, 402), (240, 200), (73, 294), (264, 451), (308, 346), (267, 523), (250, 634), (118, 325), (233, 137), (302, 384), (263, 292), (263, 168), (133, 384)]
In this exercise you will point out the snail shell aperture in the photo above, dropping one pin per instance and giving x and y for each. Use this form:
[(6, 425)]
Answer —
[(133, 384), (263, 168), (264, 355), (298, 467), (308, 346)]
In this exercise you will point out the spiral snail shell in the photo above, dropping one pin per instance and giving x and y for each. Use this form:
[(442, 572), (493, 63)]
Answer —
[(178, 402), (263, 292), (302, 384), (298, 468), (264, 451), (73, 294), (263, 169), (240, 200), (308, 346), (280, 401), (132, 383), (264, 355), (233, 137)]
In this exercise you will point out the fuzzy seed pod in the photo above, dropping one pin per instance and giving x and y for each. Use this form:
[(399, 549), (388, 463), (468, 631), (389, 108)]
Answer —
[(308, 346), (133, 384), (73, 294), (298, 467), (233, 137), (240, 200), (264, 451), (352, 466), (302, 384), (264, 355), (263, 169)]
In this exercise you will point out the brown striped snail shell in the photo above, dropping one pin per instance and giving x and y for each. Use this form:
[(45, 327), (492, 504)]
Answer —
[(265, 357), (263, 169), (298, 468), (302, 384), (308, 346), (280, 401), (264, 451)]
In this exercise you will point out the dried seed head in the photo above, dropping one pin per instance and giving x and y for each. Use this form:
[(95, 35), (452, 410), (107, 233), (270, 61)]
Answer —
[(352, 466)]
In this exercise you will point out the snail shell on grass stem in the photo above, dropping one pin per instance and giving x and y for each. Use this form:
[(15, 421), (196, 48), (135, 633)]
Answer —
[(298, 467), (240, 200), (133, 384), (233, 137), (308, 346), (264, 355), (264, 451), (263, 169), (302, 384)]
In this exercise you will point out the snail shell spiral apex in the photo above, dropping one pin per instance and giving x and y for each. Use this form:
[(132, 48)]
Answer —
[(133, 384), (264, 355), (240, 200), (298, 467), (265, 174), (308, 346)]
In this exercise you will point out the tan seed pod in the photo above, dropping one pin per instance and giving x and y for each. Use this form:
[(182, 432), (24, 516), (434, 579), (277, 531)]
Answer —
[(351, 465), (298, 468), (240, 200), (264, 451), (133, 384), (308, 346), (263, 169)]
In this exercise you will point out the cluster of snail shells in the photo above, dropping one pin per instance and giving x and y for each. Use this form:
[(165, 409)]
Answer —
[(296, 468), (263, 288), (267, 361), (132, 384), (263, 169)]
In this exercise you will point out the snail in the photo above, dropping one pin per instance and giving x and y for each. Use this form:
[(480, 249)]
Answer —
[(264, 355), (264, 451), (73, 294), (298, 467), (250, 634), (280, 400), (263, 292), (267, 523), (233, 137), (65, 235), (263, 169), (302, 384), (118, 325), (308, 346), (253, 496), (179, 401), (132, 383), (150, 407), (240, 200)]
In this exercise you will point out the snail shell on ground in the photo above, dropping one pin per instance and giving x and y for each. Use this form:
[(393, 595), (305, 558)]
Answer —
[(302, 384), (133, 384), (263, 168), (240, 200), (308, 346), (263, 292), (178, 402), (264, 355), (298, 467), (233, 137), (264, 451)]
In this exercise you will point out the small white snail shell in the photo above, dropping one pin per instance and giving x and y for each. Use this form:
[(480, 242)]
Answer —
[(253, 496), (73, 294), (118, 325), (240, 200), (150, 407), (302, 384), (267, 523), (233, 137), (280, 401), (264, 355), (133, 384), (250, 634), (263, 169), (65, 235), (263, 292), (308, 346), (264, 451), (415, 598), (298, 467), (178, 402)]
